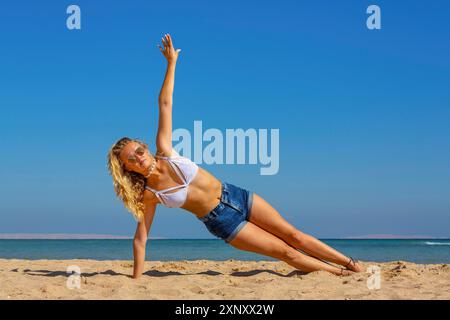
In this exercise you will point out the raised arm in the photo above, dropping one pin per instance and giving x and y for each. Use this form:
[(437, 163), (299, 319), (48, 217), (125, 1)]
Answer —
[(140, 238), (164, 135)]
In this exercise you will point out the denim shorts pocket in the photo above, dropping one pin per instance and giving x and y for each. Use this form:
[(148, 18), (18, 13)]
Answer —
[(229, 198), (235, 207)]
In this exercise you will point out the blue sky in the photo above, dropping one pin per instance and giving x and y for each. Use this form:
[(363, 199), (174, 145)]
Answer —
[(363, 114)]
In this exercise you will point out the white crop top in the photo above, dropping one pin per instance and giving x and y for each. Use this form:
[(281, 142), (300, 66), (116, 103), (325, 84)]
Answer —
[(186, 170)]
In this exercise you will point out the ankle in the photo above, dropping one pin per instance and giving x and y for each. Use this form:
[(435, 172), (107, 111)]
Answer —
[(350, 263)]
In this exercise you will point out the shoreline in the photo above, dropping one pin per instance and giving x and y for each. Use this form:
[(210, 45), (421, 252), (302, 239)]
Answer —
[(211, 279)]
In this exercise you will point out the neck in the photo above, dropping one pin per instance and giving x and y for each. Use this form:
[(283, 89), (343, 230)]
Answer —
[(151, 169)]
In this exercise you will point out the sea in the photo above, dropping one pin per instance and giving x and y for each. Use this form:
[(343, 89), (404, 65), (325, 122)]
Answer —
[(376, 250)]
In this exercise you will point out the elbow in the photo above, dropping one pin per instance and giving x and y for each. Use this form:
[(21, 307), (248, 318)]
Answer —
[(165, 103)]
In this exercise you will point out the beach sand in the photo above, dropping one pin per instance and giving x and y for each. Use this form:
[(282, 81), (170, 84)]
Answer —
[(206, 279)]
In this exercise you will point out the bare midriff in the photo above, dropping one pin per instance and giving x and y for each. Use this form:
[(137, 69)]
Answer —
[(204, 192)]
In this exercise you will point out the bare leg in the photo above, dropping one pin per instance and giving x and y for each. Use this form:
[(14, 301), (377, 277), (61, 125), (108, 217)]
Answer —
[(266, 217), (253, 238)]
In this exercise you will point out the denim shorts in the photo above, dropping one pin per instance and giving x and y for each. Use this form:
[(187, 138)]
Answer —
[(231, 214)]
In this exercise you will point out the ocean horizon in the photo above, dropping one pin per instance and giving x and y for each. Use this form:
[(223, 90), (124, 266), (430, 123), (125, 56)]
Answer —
[(423, 250), (112, 236)]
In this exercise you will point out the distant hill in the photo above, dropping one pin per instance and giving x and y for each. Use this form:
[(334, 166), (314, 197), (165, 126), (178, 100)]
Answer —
[(392, 236), (63, 236)]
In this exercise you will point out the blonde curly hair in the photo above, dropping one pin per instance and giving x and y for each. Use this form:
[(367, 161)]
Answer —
[(128, 185)]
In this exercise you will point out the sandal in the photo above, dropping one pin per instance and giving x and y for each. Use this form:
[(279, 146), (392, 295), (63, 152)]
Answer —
[(351, 260)]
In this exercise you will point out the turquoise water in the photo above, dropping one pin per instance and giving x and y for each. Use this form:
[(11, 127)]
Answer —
[(414, 250)]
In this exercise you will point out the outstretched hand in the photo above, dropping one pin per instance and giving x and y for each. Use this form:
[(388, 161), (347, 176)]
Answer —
[(169, 51)]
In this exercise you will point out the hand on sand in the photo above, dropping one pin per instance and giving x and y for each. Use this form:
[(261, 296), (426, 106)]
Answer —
[(346, 272)]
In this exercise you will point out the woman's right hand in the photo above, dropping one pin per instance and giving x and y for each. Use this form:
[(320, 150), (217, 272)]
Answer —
[(169, 51)]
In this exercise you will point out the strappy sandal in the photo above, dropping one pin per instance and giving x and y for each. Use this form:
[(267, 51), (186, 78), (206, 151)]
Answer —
[(351, 260)]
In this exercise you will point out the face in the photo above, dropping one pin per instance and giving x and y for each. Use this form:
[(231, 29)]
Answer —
[(135, 157)]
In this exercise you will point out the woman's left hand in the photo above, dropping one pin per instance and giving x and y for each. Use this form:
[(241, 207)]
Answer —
[(169, 51)]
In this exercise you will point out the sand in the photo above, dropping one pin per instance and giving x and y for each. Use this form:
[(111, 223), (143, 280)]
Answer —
[(206, 279)]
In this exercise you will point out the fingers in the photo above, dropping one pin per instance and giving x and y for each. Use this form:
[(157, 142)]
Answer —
[(169, 39), (164, 41), (168, 45)]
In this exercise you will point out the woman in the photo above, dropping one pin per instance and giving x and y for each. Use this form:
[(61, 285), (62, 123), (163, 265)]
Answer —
[(241, 218)]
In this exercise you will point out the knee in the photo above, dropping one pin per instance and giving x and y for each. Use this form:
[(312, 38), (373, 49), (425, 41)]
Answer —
[(298, 238)]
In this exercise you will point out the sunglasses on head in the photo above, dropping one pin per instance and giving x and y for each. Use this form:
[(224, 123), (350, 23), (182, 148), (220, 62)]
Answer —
[(132, 158)]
